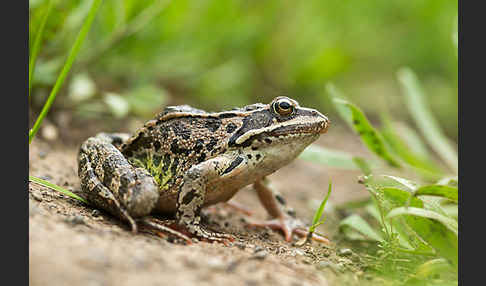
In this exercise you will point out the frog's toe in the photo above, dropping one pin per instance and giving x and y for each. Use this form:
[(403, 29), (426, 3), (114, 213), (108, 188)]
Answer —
[(285, 225), (211, 236), (174, 229), (160, 228)]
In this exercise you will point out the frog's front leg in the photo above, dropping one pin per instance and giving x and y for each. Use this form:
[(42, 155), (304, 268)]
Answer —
[(283, 215), (193, 191), (111, 183)]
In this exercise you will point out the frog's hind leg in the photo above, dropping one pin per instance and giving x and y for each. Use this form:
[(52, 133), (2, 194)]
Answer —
[(111, 183)]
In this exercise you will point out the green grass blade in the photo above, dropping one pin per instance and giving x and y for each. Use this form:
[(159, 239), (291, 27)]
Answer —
[(356, 228), (412, 139), (320, 210), (419, 163), (451, 224), (447, 192), (343, 112), (407, 183), (56, 188), (369, 135), (363, 165), (427, 124), (439, 231), (433, 267), (37, 42), (67, 66)]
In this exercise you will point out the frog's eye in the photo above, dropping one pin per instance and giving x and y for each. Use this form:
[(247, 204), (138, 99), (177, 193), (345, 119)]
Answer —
[(283, 107)]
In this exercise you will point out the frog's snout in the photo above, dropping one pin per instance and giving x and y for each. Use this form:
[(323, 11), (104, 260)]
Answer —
[(324, 122), (326, 125)]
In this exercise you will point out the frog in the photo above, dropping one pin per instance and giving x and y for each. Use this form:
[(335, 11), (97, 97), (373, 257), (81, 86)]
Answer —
[(187, 159)]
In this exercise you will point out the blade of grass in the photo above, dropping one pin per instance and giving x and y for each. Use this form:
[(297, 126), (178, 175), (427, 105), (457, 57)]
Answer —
[(368, 134), (56, 188), (320, 211), (450, 223), (432, 267), (427, 124), (37, 42), (315, 221), (67, 66), (407, 183), (438, 231), (447, 192), (421, 164), (356, 228), (343, 112), (363, 165), (412, 139)]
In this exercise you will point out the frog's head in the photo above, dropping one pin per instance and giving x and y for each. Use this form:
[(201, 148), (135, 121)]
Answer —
[(280, 129)]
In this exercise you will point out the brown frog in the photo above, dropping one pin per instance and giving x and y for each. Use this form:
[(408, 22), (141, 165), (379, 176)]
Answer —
[(186, 159)]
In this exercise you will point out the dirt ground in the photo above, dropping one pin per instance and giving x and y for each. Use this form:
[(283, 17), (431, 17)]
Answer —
[(71, 243)]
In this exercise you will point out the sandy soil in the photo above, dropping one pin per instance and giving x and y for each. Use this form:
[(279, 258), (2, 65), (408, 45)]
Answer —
[(74, 244)]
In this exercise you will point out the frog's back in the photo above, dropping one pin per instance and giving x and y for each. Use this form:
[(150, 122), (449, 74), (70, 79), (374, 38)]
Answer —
[(178, 138)]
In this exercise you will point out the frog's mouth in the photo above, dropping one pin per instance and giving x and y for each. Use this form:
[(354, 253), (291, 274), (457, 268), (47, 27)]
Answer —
[(314, 128)]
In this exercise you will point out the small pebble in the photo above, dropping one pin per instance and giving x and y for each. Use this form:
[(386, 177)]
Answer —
[(49, 132), (191, 264), (240, 245), (46, 177), (323, 264), (344, 261), (37, 196), (232, 266), (307, 261), (258, 249), (75, 220), (42, 154), (345, 252), (339, 267), (260, 255), (251, 283), (215, 264), (299, 252)]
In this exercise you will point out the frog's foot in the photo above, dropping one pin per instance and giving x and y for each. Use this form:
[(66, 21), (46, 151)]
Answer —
[(208, 235), (171, 227), (159, 227), (288, 225)]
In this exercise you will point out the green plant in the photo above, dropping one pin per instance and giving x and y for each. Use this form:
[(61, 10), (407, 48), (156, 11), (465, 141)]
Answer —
[(413, 221), (67, 66), (317, 219), (57, 188), (60, 79)]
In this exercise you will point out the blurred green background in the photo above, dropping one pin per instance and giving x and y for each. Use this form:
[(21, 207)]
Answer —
[(141, 55)]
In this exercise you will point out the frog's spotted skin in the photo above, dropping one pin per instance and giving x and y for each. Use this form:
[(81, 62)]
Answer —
[(186, 159)]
